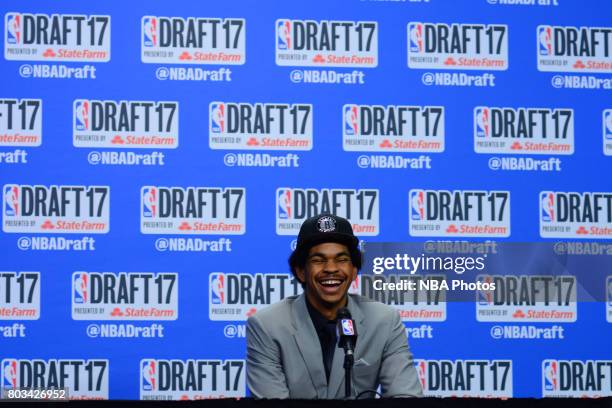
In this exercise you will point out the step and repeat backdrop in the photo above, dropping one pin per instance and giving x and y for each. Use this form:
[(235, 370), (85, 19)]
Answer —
[(157, 160)]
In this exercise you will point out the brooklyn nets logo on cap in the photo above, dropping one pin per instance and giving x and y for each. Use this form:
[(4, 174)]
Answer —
[(326, 224)]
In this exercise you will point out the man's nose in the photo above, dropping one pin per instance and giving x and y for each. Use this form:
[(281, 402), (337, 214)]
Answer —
[(331, 265)]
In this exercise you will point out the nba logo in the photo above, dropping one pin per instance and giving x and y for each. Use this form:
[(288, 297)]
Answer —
[(551, 382), (482, 122), (283, 35), (485, 297), (608, 124), (351, 117), (217, 117), (421, 367), (417, 205), (149, 31), (149, 202), (11, 201), (354, 288), (81, 115), (347, 327), (149, 375), (79, 287), (13, 28), (547, 204), (217, 289), (9, 373), (415, 32), (284, 204), (545, 40)]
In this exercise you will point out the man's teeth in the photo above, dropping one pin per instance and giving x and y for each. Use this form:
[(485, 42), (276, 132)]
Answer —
[(331, 282)]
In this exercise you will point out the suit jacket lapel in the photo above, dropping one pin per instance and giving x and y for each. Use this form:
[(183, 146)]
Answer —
[(308, 343), (336, 377)]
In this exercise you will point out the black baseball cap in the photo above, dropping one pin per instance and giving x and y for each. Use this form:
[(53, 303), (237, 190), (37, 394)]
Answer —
[(326, 228), (320, 229)]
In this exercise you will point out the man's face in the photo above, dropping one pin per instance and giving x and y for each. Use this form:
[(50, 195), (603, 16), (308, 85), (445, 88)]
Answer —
[(327, 274)]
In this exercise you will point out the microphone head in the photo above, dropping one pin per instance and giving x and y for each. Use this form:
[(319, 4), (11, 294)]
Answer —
[(346, 326), (343, 313)]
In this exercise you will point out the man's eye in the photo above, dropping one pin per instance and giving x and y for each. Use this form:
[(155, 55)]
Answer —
[(317, 261), (343, 260)]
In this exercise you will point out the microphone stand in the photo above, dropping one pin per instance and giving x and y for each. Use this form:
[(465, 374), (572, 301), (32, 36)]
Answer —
[(348, 365)]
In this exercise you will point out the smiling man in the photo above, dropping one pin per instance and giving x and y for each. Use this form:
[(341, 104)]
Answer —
[(292, 347)]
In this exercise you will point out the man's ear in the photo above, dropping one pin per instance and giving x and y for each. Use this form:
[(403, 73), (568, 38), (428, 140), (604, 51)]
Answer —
[(299, 273), (354, 275)]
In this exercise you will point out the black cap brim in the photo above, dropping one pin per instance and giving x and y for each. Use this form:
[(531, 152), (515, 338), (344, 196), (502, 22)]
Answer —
[(349, 240)]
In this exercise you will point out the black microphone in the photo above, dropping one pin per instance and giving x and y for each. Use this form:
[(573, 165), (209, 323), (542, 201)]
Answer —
[(347, 331), (347, 339)]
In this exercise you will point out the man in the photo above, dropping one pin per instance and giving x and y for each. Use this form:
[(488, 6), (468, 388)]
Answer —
[(292, 345)]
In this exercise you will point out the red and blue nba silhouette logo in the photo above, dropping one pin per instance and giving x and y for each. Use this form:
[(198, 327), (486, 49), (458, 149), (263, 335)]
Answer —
[(421, 367), (79, 287), (545, 40), (417, 207), (354, 288), (547, 201), (13, 28), (81, 115), (347, 327), (149, 31), (217, 289), (11, 201), (351, 120), (608, 124), (149, 202), (415, 32), (284, 204), (483, 128), (217, 117), (283, 34), (9, 373), (551, 375), (149, 375), (485, 297)]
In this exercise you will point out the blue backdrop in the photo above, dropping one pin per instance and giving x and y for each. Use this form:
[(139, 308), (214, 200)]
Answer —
[(155, 158)]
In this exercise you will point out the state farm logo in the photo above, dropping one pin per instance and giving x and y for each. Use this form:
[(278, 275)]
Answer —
[(424, 303), (193, 210), (458, 46), (193, 40), (260, 126), (575, 215), (295, 205), (20, 122), (308, 43), (465, 378), (523, 130), (56, 209), (84, 379), (374, 128), (125, 124), (19, 295), (124, 296), (528, 299), (191, 379), (607, 132), (574, 49), (575, 378), (236, 296), (56, 37), (459, 213)]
